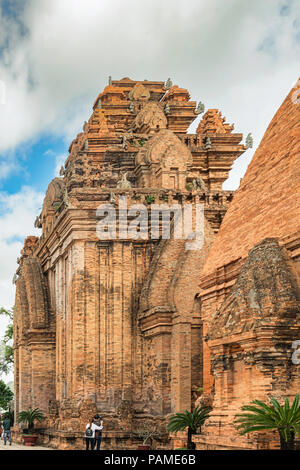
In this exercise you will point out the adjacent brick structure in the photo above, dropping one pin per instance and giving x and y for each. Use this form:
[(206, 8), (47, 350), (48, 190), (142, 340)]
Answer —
[(114, 325)]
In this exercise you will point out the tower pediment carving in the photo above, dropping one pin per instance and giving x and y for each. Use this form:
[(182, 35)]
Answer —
[(165, 148), (150, 119), (139, 92), (213, 122), (264, 293), (54, 194), (53, 201), (163, 161)]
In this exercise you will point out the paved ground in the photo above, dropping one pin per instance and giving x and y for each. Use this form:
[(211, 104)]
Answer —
[(20, 447)]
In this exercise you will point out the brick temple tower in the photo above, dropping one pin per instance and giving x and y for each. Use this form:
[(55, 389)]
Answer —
[(250, 289), (113, 325)]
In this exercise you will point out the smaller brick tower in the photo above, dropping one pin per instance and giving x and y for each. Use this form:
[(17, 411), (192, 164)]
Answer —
[(250, 285)]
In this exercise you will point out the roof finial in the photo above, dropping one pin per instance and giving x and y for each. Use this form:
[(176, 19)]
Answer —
[(249, 141), (124, 183), (109, 80), (131, 107), (200, 108), (168, 84), (37, 222), (207, 143)]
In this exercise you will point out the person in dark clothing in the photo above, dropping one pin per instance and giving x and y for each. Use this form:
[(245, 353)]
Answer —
[(6, 429), (98, 432)]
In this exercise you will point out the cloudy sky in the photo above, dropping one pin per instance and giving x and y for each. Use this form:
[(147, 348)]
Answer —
[(240, 56)]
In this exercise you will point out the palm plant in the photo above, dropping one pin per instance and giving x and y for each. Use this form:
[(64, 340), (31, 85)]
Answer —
[(30, 416), (260, 416), (192, 421)]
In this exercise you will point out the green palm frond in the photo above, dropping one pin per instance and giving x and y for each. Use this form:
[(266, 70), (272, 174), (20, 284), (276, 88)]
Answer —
[(261, 416)]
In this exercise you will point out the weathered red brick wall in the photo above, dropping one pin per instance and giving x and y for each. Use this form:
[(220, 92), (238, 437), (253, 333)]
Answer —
[(114, 324)]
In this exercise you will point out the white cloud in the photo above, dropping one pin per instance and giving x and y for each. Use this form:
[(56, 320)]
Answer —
[(59, 162), (6, 168), (17, 214)]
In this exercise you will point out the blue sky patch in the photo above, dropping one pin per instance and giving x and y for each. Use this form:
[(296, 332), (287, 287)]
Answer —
[(36, 164), (285, 9)]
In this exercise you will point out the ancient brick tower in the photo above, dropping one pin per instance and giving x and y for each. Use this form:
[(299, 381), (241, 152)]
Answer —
[(250, 289), (113, 325)]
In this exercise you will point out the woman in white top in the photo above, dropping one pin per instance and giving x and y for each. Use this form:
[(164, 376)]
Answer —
[(90, 429)]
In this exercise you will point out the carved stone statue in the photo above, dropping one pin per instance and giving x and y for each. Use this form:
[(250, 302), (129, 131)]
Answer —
[(15, 278), (249, 141), (131, 107), (112, 199), (139, 93), (124, 183), (99, 104), (62, 171), (110, 80), (205, 400), (167, 109), (86, 145), (66, 198), (199, 184), (37, 222), (150, 119), (168, 84), (208, 144)]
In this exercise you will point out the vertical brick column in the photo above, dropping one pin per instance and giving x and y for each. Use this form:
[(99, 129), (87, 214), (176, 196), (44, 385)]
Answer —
[(42, 374), (24, 378), (76, 325), (181, 366)]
